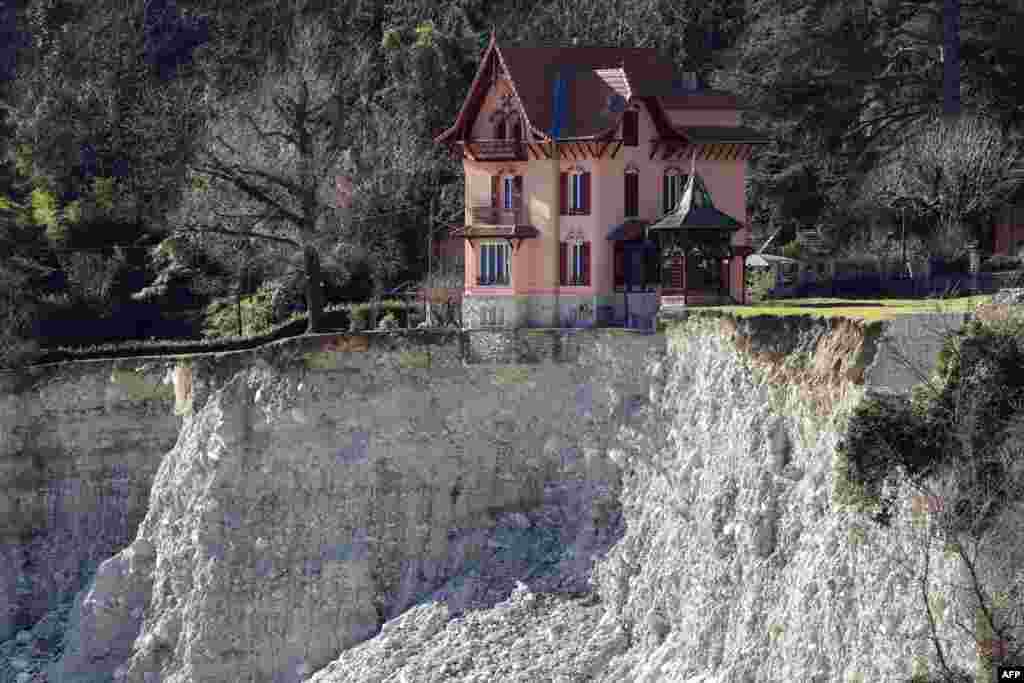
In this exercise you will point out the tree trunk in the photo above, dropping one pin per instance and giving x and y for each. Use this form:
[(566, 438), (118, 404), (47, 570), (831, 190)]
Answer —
[(314, 302)]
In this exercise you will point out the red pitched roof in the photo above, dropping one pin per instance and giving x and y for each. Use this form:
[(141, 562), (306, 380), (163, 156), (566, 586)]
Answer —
[(591, 77)]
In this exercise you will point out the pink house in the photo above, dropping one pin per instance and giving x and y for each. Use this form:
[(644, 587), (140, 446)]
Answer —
[(597, 182)]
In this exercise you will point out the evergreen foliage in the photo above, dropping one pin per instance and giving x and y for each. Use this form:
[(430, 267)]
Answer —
[(99, 138)]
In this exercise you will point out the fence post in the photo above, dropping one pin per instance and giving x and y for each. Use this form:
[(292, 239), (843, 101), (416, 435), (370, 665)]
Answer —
[(974, 263)]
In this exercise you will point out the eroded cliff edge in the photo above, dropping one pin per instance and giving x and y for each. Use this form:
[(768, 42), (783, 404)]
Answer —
[(645, 512), (321, 487)]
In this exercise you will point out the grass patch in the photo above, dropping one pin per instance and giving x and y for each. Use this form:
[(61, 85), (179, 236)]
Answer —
[(323, 360), (511, 374), (863, 309), (414, 359), (140, 389)]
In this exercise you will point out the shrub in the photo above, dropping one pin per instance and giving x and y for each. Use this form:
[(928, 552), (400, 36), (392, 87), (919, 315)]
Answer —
[(257, 315), (759, 284), (886, 435), (388, 322), (359, 315), (793, 250), (980, 365)]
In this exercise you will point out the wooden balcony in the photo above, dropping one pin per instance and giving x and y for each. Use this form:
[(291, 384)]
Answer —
[(489, 215), (484, 149)]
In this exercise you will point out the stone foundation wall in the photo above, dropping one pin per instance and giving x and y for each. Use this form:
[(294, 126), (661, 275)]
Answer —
[(538, 345), (562, 310), (494, 311)]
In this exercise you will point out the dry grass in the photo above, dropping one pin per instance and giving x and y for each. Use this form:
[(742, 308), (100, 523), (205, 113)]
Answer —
[(863, 309)]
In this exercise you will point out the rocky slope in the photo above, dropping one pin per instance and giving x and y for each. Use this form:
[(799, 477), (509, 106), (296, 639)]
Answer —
[(651, 511), (317, 493)]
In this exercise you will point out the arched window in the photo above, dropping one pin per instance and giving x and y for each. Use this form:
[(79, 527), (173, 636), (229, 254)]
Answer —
[(672, 188), (574, 192)]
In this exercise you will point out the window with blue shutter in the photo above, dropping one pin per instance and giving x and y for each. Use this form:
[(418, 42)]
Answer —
[(509, 191)]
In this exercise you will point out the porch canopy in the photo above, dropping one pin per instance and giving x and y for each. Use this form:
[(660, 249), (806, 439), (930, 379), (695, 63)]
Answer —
[(507, 232), (694, 238), (631, 230)]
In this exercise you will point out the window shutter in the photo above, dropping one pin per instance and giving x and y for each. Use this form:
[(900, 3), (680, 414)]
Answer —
[(585, 193), (494, 190), (620, 265), (666, 195), (586, 263), (632, 194), (564, 194), (630, 131), (563, 263), (518, 188)]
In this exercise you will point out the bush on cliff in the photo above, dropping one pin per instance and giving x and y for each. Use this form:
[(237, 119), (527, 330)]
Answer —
[(957, 443)]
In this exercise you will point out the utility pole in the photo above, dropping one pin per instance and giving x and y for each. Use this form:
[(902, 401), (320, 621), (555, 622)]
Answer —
[(430, 263)]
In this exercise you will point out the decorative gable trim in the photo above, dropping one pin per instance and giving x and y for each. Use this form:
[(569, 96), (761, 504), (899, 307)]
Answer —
[(474, 89), (532, 133)]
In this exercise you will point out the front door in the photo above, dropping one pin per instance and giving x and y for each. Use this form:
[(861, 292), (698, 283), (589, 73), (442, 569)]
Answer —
[(634, 268), (676, 271)]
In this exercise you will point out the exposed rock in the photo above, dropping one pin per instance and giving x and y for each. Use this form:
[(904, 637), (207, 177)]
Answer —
[(338, 510), (1008, 296), (306, 504)]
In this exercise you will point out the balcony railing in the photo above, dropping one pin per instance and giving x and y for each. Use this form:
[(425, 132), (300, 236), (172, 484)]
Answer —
[(493, 281), (489, 215), (497, 149)]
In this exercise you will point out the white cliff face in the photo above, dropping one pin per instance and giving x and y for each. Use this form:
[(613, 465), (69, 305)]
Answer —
[(736, 564), (640, 515), (303, 508)]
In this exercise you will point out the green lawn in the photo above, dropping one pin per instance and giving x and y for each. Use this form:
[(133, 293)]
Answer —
[(865, 309)]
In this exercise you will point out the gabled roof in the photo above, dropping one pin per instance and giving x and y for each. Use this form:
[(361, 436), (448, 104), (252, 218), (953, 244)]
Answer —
[(580, 92), (490, 61), (695, 210)]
